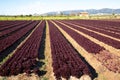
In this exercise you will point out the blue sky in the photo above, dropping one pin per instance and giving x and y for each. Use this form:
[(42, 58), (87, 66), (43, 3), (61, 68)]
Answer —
[(16, 7)]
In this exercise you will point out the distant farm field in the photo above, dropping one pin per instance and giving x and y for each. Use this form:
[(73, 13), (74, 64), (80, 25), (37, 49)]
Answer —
[(59, 17), (59, 49)]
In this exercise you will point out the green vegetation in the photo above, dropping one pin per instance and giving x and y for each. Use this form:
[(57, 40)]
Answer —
[(112, 16), (30, 17), (44, 78), (39, 17), (20, 17)]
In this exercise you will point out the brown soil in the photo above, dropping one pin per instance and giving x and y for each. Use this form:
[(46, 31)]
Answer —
[(111, 61), (48, 56), (23, 76)]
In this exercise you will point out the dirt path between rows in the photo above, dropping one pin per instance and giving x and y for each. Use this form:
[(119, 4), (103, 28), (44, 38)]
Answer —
[(48, 57)]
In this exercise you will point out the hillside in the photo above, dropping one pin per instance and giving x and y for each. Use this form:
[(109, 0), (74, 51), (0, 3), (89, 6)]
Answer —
[(90, 11)]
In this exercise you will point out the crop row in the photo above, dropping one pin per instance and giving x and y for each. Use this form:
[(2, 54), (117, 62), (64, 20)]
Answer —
[(8, 26), (88, 45), (10, 40), (13, 29), (24, 58), (99, 28), (66, 61), (95, 24), (8, 23), (110, 24), (104, 39), (107, 59)]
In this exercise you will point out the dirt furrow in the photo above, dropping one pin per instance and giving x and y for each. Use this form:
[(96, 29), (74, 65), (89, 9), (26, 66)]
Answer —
[(48, 56)]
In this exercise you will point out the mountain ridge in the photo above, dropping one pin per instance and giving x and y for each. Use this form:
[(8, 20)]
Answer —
[(90, 11)]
